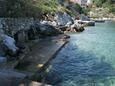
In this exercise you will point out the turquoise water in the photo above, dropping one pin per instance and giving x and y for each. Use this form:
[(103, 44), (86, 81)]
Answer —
[(87, 60)]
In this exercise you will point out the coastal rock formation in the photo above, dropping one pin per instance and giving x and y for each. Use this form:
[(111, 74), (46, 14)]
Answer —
[(77, 28), (53, 23), (9, 42), (45, 29), (62, 18), (7, 45)]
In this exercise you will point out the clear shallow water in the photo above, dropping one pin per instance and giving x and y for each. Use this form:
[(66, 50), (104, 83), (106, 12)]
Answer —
[(87, 60)]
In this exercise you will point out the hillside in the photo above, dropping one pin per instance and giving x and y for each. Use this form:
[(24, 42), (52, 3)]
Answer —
[(35, 8), (103, 8)]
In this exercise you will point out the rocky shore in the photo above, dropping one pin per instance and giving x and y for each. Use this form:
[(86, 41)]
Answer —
[(28, 45)]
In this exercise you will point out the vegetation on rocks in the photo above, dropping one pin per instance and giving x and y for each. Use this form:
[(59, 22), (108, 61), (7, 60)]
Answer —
[(33, 8), (26, 8), (102, 8), (110, 4)]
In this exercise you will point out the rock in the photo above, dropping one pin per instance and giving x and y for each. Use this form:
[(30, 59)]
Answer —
[(9, 42), (84, 18), (44, 22), (7, 46), (91, 23), (54, 23), (36, 27), (76, 28), (1, 31), (66, 37), (62, 18), (31, 34), (88, 23), (20, 36), (2, 51), (45, 30), (48, 30), (3, 61), (73, 28), (63, 28), (80, 29), (68, 24)]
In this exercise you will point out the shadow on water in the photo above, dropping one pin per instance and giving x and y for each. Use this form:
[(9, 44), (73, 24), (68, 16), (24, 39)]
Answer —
[(76, 67)]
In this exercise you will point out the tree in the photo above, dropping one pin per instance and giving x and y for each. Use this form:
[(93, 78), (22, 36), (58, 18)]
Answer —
[(26, 8)]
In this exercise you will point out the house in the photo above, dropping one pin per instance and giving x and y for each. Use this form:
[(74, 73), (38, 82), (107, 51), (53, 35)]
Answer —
[(89, 2), (82, 3)]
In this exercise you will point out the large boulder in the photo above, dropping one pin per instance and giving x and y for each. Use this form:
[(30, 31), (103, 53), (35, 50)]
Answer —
[(8, 46), (45, 30), (48, 30), (10, 43), (63, 18)]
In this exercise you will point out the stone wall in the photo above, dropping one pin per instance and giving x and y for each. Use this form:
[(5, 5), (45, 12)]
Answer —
[(12, 25)]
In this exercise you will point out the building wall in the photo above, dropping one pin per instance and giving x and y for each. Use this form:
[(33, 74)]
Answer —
[(83, 3), (89, 1), (76, 1)]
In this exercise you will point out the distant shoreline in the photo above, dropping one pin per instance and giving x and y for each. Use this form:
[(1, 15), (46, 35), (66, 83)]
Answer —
[(103, 19)]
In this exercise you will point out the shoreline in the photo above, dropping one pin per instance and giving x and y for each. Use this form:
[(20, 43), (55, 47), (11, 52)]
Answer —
[(41, 54), (103, 19), (41, 59)]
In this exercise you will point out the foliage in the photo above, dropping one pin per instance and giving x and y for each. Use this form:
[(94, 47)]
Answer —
[(47, 5), (27, 8), (110, 4), (86, 11), (79, 8)]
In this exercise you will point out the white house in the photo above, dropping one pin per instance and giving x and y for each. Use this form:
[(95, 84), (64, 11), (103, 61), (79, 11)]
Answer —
[(89, 2), (82, 3)]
